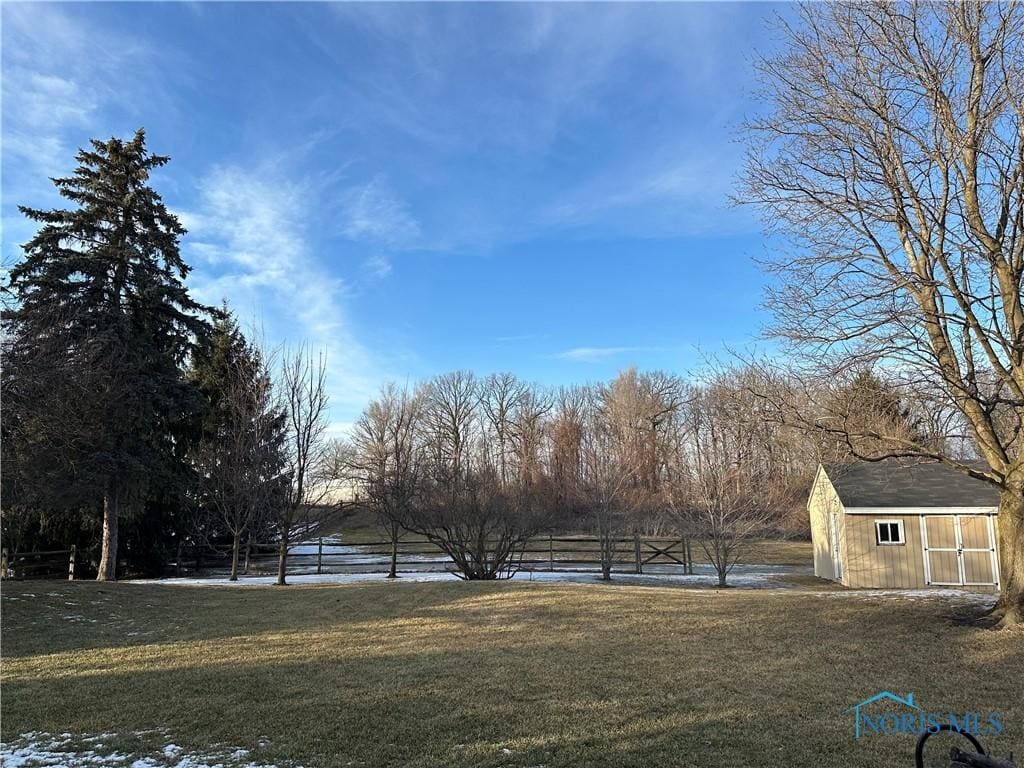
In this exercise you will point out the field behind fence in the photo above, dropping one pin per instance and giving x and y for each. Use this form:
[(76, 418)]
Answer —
[(331, 554), (549, 553)]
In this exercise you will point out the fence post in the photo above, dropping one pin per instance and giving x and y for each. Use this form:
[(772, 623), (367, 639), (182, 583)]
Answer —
[(4, 559), (71, 564), (320, 555), (636, 551), (689, 558), (551, 553)]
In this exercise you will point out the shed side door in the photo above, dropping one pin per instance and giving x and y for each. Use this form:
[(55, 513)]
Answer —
[(834, 529)]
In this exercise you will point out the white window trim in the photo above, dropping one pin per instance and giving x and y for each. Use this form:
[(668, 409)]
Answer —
[(899, 527)]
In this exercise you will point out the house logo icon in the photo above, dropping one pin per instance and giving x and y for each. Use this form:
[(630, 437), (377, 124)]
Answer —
[(860, 714)]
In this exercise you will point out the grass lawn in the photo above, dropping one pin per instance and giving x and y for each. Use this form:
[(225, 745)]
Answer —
[(499, 674)]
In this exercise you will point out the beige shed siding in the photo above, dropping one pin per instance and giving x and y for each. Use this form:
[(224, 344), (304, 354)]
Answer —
[(823, 501), (869, 564), (866, 564), (872, 565)]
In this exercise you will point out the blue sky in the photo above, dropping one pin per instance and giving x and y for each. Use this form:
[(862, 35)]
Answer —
[(418, 188)]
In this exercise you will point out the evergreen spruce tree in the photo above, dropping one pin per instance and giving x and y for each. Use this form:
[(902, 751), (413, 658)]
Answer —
[(240, 457), (102, 326), (871, 404)]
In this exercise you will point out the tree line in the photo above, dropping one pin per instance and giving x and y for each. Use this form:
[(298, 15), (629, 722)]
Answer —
[(135, 418), (479, 465)]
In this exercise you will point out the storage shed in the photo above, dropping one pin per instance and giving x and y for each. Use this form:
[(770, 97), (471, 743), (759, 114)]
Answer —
[(904, 525)]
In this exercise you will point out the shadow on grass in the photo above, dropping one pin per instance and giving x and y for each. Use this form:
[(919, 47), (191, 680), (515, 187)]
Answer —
[(559, 675)]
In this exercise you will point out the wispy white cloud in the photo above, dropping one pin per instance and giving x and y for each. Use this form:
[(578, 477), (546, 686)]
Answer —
[(43, 99), (675, 190), (63, 80), (596, 354), (516, 126), (373, 212), (41, 108), (438, 127), (249, 241), (520, 337), (377, 266)]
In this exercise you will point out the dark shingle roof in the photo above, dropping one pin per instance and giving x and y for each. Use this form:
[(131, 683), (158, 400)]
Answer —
[(904, 484)]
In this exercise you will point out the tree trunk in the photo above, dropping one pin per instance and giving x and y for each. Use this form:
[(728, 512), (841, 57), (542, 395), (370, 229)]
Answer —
[(236, 546), (1011, 551), (607, 554), (108, 556), (605, 532), (393, 572), (282, 558)]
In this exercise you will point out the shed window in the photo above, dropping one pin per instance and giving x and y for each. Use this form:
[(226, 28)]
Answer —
[(889, 532)]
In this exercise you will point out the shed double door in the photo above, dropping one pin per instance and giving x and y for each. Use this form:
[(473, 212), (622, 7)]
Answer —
[(959, 550)]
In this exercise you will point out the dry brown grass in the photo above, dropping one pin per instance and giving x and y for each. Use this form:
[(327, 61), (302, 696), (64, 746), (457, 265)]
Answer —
[(404, 674)]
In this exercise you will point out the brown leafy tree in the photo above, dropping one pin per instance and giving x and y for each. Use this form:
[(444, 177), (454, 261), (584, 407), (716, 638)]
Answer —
[(613, 455), (565, 450)]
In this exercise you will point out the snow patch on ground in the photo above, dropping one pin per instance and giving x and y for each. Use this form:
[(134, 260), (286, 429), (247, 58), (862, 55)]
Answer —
[(957, 595), (34, 750), (764, 577), (750, 579)]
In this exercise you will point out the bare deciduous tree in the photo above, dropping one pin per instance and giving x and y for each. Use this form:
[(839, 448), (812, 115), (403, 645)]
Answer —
[(529, 432), (500, 397), (721, 490), (612, 453), (481, 524), (893, 158), (303, 392), (451, 421), (481, 521), (387, 459), (608, 492)]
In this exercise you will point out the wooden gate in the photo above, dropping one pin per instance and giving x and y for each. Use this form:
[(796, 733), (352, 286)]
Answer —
[(663, 552)]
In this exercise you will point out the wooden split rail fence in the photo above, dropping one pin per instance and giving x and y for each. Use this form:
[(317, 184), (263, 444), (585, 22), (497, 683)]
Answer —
[(331, 555), (49, 564), (545, 553)]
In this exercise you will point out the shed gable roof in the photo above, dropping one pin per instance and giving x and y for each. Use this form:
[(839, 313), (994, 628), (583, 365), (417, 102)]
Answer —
[(904, 484)]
